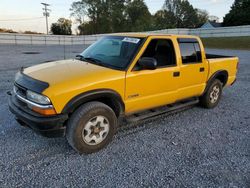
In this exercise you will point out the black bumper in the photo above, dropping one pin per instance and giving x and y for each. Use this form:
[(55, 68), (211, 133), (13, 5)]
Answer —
[(48, 126)]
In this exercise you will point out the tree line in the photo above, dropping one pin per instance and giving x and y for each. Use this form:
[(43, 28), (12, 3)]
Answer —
[(109, 16)]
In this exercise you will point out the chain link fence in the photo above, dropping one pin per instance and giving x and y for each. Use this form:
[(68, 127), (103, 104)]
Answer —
[(30, 39), (236, 31), (89, 39), (34, 49)]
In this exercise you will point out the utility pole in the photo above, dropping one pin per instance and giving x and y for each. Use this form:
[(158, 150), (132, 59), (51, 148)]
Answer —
[(46, 14)]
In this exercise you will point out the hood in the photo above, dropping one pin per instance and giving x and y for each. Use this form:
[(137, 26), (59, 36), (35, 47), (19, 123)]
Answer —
[(70, 78), (67, 70)]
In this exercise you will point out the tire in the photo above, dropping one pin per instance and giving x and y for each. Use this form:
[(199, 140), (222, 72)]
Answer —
[(212, 96), (91, 127)]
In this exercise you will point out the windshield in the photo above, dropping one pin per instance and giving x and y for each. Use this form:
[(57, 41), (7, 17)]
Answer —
[(112, 51)]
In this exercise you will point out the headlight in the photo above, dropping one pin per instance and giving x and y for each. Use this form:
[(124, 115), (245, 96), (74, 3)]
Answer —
[(37, 98)]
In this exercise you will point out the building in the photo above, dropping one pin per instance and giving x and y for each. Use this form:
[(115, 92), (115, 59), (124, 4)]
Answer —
[(211, 24)]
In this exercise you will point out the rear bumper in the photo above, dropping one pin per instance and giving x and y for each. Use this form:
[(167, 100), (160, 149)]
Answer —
[(48, 126)]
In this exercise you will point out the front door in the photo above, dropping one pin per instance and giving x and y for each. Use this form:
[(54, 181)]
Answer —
[(146, 89)]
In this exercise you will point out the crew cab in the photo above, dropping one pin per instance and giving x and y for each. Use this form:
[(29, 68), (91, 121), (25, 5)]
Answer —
[(123, 76)]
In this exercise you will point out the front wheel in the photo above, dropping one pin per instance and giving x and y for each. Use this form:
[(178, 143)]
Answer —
[(212, 96), (91, 127)]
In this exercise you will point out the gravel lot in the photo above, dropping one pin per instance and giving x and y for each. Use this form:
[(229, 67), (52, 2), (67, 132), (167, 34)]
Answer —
[(194, 148)]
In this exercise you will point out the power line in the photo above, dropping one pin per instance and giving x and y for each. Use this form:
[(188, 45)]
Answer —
[(21, 19), (46, 14)]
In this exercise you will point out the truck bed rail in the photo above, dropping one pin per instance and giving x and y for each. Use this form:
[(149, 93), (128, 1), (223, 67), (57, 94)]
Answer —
[(214, 56)]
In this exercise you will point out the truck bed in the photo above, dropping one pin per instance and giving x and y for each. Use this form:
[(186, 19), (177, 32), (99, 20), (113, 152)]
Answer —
[(227, 63), (215, 56)]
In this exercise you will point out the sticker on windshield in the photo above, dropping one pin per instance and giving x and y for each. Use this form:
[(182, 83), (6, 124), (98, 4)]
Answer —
[(132, 40)]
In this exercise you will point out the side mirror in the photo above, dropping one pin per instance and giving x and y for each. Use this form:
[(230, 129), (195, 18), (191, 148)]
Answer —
[(148, 63)]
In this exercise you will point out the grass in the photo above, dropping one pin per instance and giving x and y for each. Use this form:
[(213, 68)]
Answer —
[(242, 43)]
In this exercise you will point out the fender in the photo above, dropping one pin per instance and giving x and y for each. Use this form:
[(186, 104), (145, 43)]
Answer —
[(221, 74), (98, 95)]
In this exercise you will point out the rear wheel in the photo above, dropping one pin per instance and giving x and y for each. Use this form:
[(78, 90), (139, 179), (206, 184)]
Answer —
[(212, 96), (91, 127)]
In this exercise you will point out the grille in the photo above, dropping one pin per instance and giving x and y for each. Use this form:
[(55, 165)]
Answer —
[(20, 90)]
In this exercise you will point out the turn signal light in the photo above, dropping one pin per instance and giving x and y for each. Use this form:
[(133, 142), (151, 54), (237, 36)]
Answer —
[(47, 112)]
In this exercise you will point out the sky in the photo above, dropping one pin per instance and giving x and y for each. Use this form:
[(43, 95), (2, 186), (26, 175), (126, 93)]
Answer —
[(23, 15)]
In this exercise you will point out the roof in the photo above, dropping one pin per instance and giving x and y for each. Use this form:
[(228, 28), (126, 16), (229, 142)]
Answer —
[(215, 24), (144, 35), (211, 24)]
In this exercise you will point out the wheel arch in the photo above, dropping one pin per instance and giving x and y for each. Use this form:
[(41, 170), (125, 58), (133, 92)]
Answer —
[(106, 96), (221, 75)]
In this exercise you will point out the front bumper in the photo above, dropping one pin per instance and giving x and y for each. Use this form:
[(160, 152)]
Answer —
[(48, 126)]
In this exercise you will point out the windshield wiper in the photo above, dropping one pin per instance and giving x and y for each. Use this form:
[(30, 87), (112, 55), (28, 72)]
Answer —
[(90, 59), (79, 57), (98, 61), (94, 61)]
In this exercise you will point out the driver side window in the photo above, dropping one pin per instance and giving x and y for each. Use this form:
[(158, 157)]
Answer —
[(162, 50)]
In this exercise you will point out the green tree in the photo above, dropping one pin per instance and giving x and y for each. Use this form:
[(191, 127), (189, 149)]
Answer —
[(79, 11), (61, 27), (111, 16), (239, 14), (203, 17), (180, 14), (186, 15), (103, 16), (138, 16), (164, 19), (106, 16), (116, 13)]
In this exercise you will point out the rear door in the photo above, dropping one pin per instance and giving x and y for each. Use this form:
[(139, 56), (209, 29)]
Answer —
[(151, 88), (193, 68)]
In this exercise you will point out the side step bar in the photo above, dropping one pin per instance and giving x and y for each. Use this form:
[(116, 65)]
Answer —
[(172, 108)]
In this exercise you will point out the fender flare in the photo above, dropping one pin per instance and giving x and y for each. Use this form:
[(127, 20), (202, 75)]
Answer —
[(93, 95), (217, 74)]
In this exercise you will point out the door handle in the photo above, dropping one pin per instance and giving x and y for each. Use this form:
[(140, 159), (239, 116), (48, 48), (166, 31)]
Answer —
[(202, 69), (176, 74)]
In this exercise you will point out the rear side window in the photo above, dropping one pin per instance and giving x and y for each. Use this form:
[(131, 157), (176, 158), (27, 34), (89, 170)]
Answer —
[(190, 51)]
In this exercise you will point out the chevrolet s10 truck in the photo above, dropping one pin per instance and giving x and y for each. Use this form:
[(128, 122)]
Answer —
[(123, 76)]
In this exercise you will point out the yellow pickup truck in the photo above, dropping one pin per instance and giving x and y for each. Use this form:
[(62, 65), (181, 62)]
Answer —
[(122, 76)]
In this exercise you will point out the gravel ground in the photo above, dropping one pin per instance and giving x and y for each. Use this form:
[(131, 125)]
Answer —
[(194, 148)]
